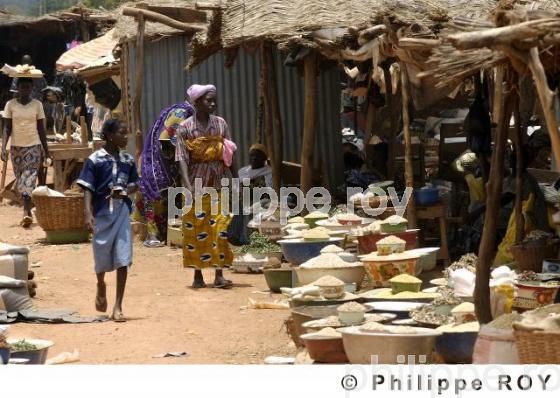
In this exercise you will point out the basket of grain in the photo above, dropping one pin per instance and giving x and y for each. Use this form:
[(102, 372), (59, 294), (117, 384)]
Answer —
[(61, 217), (537, 336)]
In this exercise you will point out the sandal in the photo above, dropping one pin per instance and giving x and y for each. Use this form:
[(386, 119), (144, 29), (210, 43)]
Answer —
[(227, 284), (118, 317), (101, 302)]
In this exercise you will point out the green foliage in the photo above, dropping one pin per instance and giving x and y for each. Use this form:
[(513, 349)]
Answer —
[(259, 244)]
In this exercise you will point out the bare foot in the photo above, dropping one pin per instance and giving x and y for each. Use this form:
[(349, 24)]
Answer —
[(100, 298)]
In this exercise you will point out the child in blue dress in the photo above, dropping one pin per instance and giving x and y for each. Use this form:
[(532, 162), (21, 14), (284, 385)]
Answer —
[(108, 178)]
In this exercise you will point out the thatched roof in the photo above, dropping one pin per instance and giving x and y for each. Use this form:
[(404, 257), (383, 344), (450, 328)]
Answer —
[(126, 27), (55, 21)]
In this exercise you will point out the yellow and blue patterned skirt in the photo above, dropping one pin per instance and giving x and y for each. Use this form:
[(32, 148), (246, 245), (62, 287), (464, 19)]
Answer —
[(205, 237)]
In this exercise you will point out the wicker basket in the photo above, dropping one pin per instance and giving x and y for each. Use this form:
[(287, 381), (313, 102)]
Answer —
[(60, 213), (530, 257), (536, 347)]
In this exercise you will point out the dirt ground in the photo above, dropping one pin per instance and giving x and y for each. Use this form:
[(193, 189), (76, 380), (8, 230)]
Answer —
[(165, 314)]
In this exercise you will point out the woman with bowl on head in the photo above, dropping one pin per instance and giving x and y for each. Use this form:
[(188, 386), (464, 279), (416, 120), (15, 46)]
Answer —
[(24, 126), (205, 152)]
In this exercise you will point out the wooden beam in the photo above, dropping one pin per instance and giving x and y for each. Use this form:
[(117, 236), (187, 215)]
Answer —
[(408, 169), (309, 121), (546, 97), (139, 82), (278, 132), (488, 241), (371, 33), (162, 19), (504, 35), (181, 14), (392, 107)]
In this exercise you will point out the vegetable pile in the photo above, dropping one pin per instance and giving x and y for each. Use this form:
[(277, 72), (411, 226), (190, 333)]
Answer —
[(23, 345), (259, 244)]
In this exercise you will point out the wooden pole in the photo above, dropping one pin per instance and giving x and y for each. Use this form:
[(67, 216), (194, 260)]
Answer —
[(278, 135), (83, 130), (498, 94), (265, 81), (309, 122), (391, 105), (408, 168), (68, 130), (4, 170), (488, 240), (546, 97), (139, 82), (519, 218), (162, 19)]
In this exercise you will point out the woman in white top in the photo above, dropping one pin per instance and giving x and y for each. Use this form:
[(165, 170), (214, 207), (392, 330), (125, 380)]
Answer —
[(24, 121)]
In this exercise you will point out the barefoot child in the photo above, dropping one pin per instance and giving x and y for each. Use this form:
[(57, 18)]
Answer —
[(108, 178)]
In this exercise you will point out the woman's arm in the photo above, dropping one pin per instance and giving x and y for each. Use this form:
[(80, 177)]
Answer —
[(5, 137), (184, 171), (88, 213), (43, 136)]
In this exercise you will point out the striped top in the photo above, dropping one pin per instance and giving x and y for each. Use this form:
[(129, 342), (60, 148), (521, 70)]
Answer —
[(210, 173)]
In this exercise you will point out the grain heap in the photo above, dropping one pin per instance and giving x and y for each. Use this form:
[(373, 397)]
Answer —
[(327, 332), (427, 313), (352, 306), (328, 260), (328, 281), (462, 328), (391, 240), (505, 321), (468, 261)]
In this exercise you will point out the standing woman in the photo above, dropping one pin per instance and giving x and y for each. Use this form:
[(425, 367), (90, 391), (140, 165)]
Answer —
[(204, 151), (25, 126)]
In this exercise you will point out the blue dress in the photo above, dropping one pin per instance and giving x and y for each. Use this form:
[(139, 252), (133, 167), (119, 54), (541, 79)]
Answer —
[(112, 235)]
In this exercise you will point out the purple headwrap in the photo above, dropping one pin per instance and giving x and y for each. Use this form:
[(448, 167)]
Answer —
[(157, 173), (197, 90)]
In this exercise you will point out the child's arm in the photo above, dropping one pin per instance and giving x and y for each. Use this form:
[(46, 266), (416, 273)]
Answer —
[(88, 212)]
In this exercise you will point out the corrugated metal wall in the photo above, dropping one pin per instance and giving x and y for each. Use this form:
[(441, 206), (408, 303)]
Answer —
[(165, 82)]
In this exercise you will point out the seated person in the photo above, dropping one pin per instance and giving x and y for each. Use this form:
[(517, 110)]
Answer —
[(258, 171)]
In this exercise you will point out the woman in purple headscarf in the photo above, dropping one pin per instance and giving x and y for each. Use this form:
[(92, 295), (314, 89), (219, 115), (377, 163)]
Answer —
[(159, 171)]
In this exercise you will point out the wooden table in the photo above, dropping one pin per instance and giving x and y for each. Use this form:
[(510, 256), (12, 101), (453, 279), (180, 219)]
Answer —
[(65, 159), (438, 211)]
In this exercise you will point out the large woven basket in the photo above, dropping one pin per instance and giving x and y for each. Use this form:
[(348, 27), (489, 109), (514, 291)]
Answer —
[(530, 257), (60, 213), (536, 347)]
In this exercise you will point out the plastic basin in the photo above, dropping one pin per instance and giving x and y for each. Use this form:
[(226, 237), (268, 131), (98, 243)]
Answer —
[(35, 357), (325, 349), (354, 274), (298, 251), (426, 196), (456, 348), (389, 348), (278, 278)]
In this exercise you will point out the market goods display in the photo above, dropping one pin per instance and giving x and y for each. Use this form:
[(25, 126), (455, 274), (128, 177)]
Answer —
[(467, 261), (464, 313), (316, 234), (259, 244), (436, 313), (382, 268), (328, 260), (537, 335), (328, 332), (405, 283), (389, 245), (394, 224)]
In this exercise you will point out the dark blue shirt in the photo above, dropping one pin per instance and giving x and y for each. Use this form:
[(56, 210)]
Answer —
[(102, 172)]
